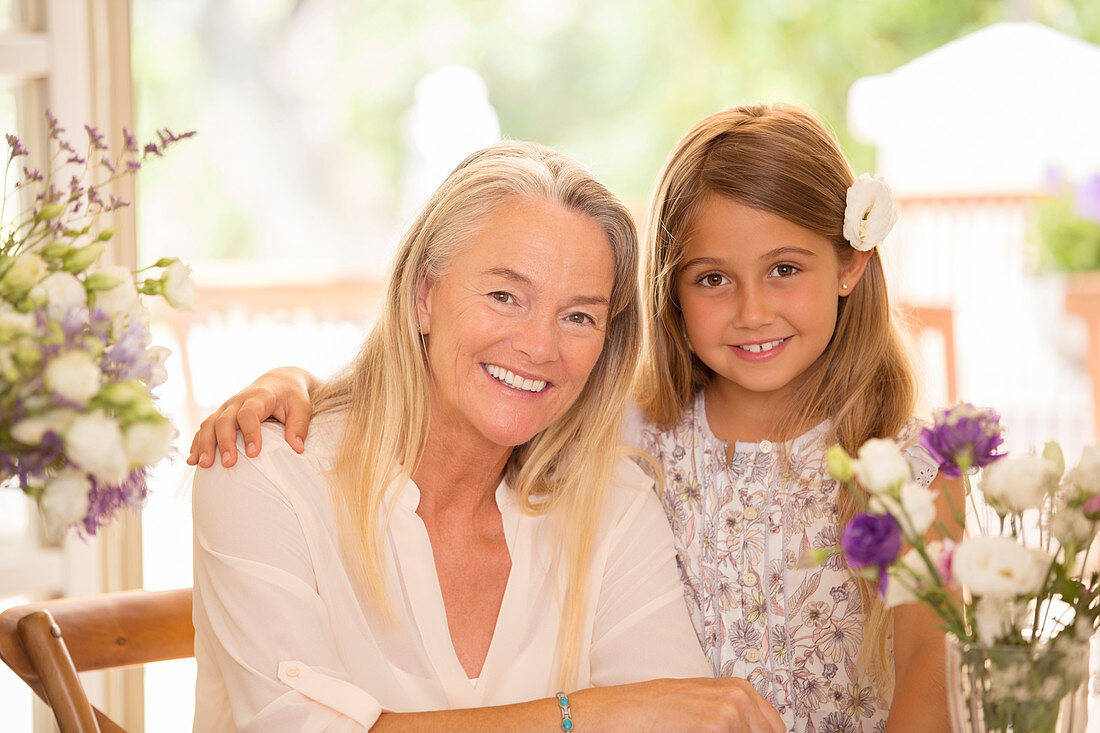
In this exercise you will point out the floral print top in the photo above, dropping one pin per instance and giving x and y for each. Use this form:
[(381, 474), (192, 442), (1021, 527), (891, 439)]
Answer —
[(741, 527)]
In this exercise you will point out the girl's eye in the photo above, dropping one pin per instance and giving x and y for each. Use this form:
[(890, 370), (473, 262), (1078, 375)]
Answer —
[(501, 297), (713, 280), (783, 271)]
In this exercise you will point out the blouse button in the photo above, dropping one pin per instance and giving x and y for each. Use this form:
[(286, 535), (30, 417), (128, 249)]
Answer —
[(292, 672), (765, 446), (750, 513), (749, 579), (752, 655)]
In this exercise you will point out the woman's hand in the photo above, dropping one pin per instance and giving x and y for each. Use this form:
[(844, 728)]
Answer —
[(726, 705), (281, 393)]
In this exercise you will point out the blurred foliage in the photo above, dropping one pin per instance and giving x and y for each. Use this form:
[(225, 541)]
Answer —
[(326, 82), (1067, 241)]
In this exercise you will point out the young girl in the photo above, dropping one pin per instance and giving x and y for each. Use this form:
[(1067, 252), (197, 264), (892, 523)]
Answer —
[(771, 338)]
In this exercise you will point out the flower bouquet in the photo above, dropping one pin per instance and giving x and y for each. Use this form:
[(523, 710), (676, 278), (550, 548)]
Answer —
[(1016, 592), (78, 424)]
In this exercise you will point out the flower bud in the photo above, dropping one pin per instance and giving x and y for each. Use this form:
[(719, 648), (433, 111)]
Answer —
[(25, 272), (102, 281), (48, 211), (1052, 452), (80, 259), (839, 463), (105, 234), (55, 250)]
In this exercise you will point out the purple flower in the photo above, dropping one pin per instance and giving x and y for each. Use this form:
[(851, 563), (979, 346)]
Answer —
[(95, 137), (1087, 199), (55, 129), (152, 149), (105, 501), (963, 437), (107, 164), (130, 142), (16, 146), (32, 175), (871, 540)]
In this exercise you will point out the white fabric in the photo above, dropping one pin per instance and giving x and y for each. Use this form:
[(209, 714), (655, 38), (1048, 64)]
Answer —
[(286, 642)]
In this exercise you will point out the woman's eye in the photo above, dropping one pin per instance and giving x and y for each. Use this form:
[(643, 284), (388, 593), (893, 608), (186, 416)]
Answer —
[(580, 318), (712, 280), (783, 270), (501, 297)]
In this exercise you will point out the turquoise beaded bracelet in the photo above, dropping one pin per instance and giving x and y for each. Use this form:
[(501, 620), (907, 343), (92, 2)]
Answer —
[(566, 713)]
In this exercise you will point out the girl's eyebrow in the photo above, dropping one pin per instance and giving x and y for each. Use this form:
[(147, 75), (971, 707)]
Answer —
[(777, 252)]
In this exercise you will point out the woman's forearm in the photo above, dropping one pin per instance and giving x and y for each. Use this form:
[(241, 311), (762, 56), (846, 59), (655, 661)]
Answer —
[(535, 716)]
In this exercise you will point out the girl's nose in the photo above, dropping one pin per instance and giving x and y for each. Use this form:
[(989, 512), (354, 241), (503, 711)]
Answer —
[(754, 309)]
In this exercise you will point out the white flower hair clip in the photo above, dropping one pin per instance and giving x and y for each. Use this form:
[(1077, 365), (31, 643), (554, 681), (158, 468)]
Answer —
[(870, 213)]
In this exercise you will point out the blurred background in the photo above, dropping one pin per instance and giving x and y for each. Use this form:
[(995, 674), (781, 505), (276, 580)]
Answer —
[(324, 124)]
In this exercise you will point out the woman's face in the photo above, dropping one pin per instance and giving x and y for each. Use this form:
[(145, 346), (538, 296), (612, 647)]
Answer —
[(516, 323)]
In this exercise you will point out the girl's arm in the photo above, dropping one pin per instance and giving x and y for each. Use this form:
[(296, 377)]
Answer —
[(920, 691), (281, 393)]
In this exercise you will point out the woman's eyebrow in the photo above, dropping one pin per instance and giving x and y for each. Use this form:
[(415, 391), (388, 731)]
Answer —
[(509, 274)]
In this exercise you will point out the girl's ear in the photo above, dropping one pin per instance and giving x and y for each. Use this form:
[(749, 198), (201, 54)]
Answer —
[(852, 270), (424, 304)]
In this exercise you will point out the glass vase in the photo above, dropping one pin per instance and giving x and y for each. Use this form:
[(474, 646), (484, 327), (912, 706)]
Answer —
[(1041, 688)]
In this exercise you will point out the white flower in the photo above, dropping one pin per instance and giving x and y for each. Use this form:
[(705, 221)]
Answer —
[(179, 290), (148, 442), (12, 321), (1071, 527), (65, 499), (61, 292), (870, 213), (881, 466), (908, 573), (27, 270), (1087, 473), (994, 618), (157, 355), (73, 375), (31, 430), (137, 313), (915, 511), (999, 566), (122, 297), (94, 442), (1016, 484)]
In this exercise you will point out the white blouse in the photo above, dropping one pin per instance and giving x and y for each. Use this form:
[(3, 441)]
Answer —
[(286, 640)]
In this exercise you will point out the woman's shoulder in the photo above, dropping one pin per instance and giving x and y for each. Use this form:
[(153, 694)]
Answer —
[(278, 472)]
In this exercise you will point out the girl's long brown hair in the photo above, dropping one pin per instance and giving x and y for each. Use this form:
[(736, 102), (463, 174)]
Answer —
[(782, 160)]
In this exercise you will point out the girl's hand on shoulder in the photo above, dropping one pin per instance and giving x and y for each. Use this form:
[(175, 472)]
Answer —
[(701, 705), (281, 393)]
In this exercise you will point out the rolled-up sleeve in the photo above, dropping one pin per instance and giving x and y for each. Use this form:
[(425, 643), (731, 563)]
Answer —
[(642, 630), (259, 620)]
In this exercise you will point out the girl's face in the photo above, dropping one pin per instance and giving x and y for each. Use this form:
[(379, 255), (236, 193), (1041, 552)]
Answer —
[(759, 296)]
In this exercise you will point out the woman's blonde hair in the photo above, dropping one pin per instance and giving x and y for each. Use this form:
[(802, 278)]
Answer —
[(563, 470), (782, 160)]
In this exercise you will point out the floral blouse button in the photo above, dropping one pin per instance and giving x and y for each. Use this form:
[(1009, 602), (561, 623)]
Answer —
[(753, 656), (750, 513), (765, 446), (750, 579)]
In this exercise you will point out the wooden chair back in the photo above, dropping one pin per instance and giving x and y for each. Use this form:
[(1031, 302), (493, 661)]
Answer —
[(48, 643)]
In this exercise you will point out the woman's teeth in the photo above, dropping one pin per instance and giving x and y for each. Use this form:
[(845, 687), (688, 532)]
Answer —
[(757, 348), (514, 380)]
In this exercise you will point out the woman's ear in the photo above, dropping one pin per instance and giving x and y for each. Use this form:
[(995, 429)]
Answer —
[(852, 270), (424, 304)]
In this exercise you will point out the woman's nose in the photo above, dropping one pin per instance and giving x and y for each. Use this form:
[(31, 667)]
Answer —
[(537, 338)]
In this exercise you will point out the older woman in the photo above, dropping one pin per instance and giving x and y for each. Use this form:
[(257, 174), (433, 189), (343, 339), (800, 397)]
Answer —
[(458, 536)]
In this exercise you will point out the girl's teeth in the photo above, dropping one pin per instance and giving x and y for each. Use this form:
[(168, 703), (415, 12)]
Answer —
[(514, 380), (757, 348)]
